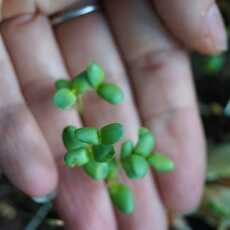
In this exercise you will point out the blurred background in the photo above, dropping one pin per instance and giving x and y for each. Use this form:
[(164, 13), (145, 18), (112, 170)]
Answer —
[(212, 80)]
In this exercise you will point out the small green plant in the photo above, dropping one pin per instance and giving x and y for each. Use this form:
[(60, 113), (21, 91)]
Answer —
[(93, 148)]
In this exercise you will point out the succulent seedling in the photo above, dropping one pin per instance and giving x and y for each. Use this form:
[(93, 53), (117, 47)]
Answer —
[(93, 148)]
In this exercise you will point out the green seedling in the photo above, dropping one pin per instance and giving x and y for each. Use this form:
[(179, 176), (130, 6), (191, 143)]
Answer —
[(145, 144), (70, 139), (93, 149), (97, 170), (111, 93), (62, 84), (103, 153), (111, 133), (95, 75), (64, 98), (135, 166), (127, 148), (80, 85), (69, 91), (88, 135), (122, 197), (76, 157), (161, 163)]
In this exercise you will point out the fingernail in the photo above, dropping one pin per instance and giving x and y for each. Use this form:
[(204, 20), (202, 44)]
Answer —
[(216, 28), (44, 199)]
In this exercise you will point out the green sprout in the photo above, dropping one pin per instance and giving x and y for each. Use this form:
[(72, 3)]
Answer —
[(161, 163), (62, 84), (88, 135), (209, 65), (64, 98), (111, 133), (122, 197), (97, 170), (95, 75), (94, 150), (111, 93), (145, 144), (76, 157), (103, 152), (135, 166), (214, 63), (127, 148), (69, 92), (80, 84)]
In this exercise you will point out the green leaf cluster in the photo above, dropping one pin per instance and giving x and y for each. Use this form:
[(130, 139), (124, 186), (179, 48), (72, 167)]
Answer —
[(93, 149), (68, 92), (136, 159)]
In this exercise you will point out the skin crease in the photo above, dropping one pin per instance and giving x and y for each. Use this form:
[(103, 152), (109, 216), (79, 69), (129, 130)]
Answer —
[(162, 97)]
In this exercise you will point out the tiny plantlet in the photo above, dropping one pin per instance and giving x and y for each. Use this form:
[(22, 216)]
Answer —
[(93, 148)]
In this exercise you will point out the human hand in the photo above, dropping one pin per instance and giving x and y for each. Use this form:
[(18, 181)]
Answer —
[(141, 54)]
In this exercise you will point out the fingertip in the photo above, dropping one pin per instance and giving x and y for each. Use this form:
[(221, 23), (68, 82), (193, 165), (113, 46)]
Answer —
[(214, 37), (35, 179), (197, 24), (41, 181)]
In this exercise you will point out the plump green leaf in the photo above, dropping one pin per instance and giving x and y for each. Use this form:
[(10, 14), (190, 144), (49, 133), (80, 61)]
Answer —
[(161, 163), (103, 153), (76, 157), (126, 149), (95, 74), (88, 135), (111, 93), (80, 84), (113, 170), (70, 139), (122, 197), (145, 144), (214, 63), (135, 166), (143, 131), (97, 170), (111, 133), (62, 83), (64, 98)]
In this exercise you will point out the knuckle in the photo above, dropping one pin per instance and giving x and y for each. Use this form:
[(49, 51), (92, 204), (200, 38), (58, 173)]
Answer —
[(39, 92), (15, 8), (155, 60), (20, 8)]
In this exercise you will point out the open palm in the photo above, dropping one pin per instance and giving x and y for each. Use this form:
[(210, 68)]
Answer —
[(138, 54)]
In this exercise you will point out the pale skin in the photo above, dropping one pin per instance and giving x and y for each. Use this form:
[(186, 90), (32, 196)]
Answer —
[(152, 67)]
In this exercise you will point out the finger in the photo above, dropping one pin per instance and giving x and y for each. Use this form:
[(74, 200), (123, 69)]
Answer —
[(161, 76), (198, 24), (77, 196), (90, 37), (43, 66), (50, 6), (24, 155), (13, 8)]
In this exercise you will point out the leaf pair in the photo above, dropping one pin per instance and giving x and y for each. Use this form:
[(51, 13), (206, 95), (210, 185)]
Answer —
[(136, 159), (68, 91)]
